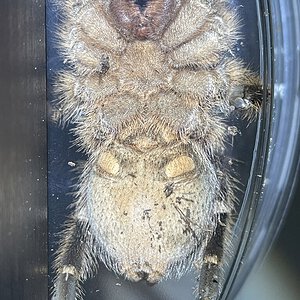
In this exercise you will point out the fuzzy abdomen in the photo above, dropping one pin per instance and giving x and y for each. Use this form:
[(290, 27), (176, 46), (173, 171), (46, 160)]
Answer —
[(151, 210)]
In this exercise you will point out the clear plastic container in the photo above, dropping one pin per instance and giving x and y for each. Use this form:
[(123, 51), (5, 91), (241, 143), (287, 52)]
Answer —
[(275, 164)]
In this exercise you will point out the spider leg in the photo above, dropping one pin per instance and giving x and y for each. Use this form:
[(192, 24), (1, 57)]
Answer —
[(247, 98), (74, 262), (212, 267), (65, 287)]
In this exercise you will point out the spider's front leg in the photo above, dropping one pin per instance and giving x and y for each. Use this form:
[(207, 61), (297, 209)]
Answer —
[(74, 261)]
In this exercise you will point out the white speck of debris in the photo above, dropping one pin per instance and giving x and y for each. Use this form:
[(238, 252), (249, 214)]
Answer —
[(71, 164), (118, 284)]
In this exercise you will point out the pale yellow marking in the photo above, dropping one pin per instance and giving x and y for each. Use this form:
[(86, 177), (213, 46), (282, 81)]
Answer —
[(179, 165), (108, 163), (69, 270), (211, 259)]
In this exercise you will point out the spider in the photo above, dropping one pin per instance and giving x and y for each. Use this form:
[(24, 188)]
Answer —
[(148, 88)]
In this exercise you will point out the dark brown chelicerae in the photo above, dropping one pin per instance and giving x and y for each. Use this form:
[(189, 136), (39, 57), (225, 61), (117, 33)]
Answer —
[(148, 88)]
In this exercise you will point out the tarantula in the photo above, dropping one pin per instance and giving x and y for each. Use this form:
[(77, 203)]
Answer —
[(148, 88)]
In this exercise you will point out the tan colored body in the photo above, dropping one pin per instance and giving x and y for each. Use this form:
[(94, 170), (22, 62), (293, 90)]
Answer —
[(156, 219), (149, 108)]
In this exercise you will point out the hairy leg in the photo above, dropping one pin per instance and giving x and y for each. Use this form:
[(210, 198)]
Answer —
[(212, 267), (75, 261)]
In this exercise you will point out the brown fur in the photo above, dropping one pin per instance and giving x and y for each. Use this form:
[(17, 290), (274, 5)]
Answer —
[(149, 104)]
